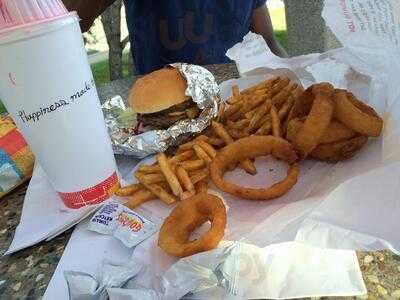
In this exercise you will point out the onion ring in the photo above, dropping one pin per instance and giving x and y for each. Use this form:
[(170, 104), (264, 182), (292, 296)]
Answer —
[(318, 119), (339, 151), (335, 132), (251, 147), (185, 218), (301, 107), (356, 115)]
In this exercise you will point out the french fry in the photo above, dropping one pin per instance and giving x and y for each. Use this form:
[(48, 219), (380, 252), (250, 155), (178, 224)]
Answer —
[(260, 86), (150, 178), (286, 107), (169, 175), (140, 197), (284, 94), (278, 86), (191, 165), (237, 134), (235, 91), (251, 113), (157, 190), (128, 190), (267, 84), (202, 138), (261, 91), (263, 120), (276, 125), (199, 175), (256, 101), (221, 111), (185, 147), (264, 129), (202, 154), (233, 109), (149, 169), (215, 142), (211, 152), (185, 155), (261, 112), (248, 166), (184, 179), (202, 186), (221, 132), (242, 124), (187, 195), (236, 116), (189, 145), (161, 193), (219, 129)]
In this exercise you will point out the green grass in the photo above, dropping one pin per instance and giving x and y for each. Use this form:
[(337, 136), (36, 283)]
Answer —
[(2, 108), (278, 18), (101, 72), (281, 36)]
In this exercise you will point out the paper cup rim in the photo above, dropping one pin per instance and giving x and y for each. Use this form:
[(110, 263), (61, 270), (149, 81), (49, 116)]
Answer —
[(31, 30)]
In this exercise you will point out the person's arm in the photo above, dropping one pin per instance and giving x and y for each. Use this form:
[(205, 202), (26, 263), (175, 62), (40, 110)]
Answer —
[(262, 25), (88, 10)]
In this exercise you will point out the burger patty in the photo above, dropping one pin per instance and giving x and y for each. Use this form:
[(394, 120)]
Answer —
[(165, 118)]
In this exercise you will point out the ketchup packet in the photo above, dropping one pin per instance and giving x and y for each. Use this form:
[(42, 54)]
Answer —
[(130, 227)]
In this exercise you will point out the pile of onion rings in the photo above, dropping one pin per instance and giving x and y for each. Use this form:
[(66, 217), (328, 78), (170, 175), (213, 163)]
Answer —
[(174, 237), (330, 124)]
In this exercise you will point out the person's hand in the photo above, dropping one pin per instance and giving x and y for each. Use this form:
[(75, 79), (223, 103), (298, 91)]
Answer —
[(88, 10)]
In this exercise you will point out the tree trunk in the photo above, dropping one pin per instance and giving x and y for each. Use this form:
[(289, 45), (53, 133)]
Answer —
[(111, 20), (131, 64)]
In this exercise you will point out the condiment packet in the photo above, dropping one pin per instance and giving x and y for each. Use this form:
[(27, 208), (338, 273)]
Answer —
[(130, 227)]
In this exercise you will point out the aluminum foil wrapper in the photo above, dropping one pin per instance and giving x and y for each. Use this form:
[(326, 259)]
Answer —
[(203, 89)]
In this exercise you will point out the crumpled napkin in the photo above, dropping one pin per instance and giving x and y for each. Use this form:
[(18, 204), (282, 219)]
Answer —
[(237, 270)]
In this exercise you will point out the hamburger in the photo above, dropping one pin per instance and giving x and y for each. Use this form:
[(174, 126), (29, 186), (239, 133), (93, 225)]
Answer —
[(159, 99)]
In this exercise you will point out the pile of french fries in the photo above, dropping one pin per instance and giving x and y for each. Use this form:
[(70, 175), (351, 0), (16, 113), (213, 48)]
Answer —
[(259, 110)]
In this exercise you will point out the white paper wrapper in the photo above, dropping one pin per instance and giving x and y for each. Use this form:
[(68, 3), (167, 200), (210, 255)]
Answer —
[(235, 270), (44, 216), (83, 286)]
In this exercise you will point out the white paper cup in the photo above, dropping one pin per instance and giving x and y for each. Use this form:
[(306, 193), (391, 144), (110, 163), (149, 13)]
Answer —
[(47, 86)]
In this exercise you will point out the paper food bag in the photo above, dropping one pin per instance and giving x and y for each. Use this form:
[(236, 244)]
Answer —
[(357, 204)]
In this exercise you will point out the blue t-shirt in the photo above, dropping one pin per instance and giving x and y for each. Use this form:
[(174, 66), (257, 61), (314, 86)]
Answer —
[(192, 31)]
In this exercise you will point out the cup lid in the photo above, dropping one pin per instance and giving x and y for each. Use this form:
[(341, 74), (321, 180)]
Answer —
[(18, 13)]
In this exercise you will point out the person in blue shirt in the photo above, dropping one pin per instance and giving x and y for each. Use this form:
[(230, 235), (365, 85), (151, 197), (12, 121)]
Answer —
[(191, 31)]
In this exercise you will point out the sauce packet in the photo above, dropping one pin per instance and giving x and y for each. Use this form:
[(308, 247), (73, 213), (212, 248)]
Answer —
[(130, 227)]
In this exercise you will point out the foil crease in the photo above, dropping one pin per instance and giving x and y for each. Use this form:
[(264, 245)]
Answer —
[(121, 124)]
